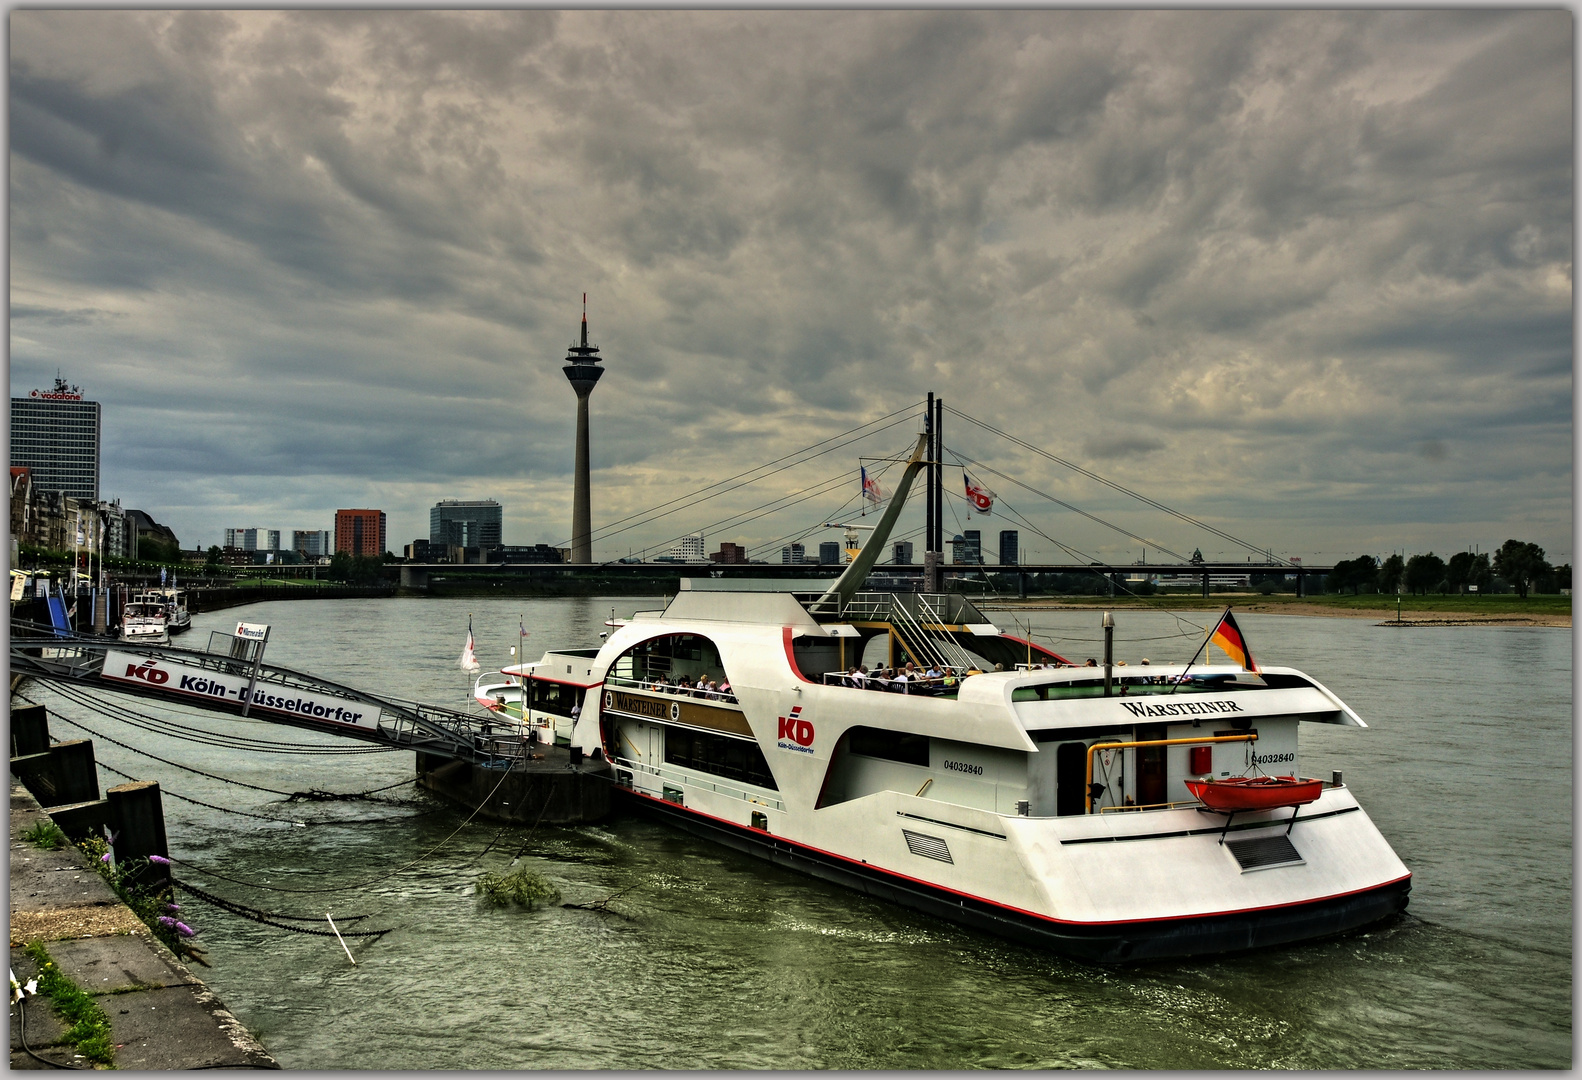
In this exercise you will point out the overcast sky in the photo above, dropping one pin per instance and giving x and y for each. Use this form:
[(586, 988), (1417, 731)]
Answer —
[(1304, 275)]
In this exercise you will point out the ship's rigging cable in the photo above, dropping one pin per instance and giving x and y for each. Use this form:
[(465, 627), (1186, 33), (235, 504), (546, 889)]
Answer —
[(644, 517), (1090, 474)]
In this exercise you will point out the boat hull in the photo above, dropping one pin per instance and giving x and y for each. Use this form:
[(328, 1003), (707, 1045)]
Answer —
[(1102, 943)]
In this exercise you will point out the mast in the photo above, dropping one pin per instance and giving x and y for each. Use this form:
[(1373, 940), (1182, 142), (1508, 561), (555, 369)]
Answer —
[(846, 586)]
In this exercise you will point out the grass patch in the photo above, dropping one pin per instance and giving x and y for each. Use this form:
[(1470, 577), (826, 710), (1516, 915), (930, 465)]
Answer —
[(88, 1030), (46, 835), (520, 886)]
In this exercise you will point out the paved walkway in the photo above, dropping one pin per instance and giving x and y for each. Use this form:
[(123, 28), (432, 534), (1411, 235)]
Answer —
[(161, 1014)]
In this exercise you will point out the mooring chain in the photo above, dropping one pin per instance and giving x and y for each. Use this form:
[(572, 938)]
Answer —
[(313, 794), (268, 918)]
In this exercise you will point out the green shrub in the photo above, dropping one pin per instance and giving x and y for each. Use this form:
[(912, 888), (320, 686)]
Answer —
[(520, 886)]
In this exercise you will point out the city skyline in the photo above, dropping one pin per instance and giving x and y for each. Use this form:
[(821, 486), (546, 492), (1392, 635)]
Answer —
[(1303, 275)]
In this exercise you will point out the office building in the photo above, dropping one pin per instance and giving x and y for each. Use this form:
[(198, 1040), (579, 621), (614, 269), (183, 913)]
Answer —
[(729, 553), (793, 553), (253, 539), (360, 532), (691, 549), (903, 553), (465, 523), (974, 539), (55, 434), (1008, 547), (312, 542)]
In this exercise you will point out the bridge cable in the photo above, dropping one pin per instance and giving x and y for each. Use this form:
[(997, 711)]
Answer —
[(643, 517), (1117, 487)]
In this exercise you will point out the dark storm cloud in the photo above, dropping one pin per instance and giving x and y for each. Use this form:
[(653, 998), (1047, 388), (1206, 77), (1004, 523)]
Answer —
[(1315, 265)]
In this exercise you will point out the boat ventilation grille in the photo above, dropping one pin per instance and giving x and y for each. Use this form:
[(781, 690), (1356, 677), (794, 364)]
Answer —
[(1262, 852), (930, 847)]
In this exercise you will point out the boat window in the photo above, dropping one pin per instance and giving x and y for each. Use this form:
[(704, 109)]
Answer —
[(899, 746), (734, 759), (553, 697), (676, 656)]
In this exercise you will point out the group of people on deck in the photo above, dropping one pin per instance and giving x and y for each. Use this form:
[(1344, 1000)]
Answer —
[(907, 679), (703, 687)]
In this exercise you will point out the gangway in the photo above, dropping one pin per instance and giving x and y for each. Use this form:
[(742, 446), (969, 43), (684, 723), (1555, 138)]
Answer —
[(230, 676)]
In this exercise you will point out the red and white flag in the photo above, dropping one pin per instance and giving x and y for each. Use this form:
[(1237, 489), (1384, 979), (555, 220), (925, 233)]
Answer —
[(980, 497), (870, 488)]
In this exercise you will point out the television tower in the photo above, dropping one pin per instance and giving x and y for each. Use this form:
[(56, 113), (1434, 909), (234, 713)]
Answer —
[(582, 371)]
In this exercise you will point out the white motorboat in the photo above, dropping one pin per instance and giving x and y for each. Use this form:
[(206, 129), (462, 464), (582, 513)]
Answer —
[(1044, 802), (144, 621), (174, 603)]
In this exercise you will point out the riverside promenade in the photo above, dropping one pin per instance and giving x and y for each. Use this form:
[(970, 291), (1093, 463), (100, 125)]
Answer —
[(161, 1014)]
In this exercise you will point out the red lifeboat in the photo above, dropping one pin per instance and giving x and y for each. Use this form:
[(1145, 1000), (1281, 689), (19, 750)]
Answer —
[(1255, 792)]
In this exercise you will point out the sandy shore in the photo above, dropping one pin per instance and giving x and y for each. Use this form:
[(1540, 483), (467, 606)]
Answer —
[(1378, 615)]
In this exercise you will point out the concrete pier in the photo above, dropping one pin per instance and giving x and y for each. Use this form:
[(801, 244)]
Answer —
[(547, 788), (161, 1014)]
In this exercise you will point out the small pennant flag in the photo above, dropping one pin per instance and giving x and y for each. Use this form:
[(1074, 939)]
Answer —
[(469, 659), (981, 497), (870, 488), (1227, 635)]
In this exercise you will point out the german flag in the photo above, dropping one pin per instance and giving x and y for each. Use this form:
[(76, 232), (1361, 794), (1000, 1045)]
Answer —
[(1227, 635)]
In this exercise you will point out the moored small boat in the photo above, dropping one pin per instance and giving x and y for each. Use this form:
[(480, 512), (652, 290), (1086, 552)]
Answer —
[(1255, 792)]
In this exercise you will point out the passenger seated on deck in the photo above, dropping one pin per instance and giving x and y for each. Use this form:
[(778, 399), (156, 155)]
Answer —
[(901, 681), (1091, 663), (859, 676)]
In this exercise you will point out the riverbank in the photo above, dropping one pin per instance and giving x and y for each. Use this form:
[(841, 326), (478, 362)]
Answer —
[(161, 1015), (1414, 610)]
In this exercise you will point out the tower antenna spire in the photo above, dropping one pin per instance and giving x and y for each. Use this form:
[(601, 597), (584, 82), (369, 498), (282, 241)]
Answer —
[(584, 320)]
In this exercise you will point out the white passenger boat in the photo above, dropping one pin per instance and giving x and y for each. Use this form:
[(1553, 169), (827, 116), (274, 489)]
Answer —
[(1048, 804), (174, 603), (144, 621)]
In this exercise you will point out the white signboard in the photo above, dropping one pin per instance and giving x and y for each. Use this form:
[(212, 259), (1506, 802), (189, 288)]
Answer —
[(200, 683), (252, 631)]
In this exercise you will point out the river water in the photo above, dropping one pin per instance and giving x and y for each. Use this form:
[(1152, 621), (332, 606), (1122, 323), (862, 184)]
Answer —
[(715, 960)]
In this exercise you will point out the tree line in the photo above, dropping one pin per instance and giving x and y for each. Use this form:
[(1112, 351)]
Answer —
[(1518, 566)]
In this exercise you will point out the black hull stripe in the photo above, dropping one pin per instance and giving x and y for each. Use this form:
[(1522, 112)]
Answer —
[(1271, 823), (1107, 942)]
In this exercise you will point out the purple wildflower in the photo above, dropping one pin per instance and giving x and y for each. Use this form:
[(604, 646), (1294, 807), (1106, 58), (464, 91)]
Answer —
[(105, 858), (184, 930), (172, 907), (160, 859), (167, 922)]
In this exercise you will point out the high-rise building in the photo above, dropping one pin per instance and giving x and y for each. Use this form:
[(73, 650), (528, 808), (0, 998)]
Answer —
[(253, 539), (466, 523), (793, 553), (974, 540), (55, 433), (360, 532), (903, 553), (583, 372), (312, 541), (829, 553), (1008, 555)]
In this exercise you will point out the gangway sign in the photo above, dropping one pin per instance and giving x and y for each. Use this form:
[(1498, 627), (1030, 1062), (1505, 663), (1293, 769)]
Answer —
[(198, 682)]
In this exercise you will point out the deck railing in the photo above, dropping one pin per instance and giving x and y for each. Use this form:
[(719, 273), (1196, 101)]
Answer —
[(714, 784)]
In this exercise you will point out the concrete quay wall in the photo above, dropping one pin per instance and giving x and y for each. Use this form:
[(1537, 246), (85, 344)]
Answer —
[(162, 1016)]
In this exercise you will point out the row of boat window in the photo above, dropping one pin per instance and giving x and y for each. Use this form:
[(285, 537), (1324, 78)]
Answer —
[(733, 759)]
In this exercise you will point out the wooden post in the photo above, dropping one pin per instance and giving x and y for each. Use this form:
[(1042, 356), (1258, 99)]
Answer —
[(64, 773), (139, 817), (29, 731)]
